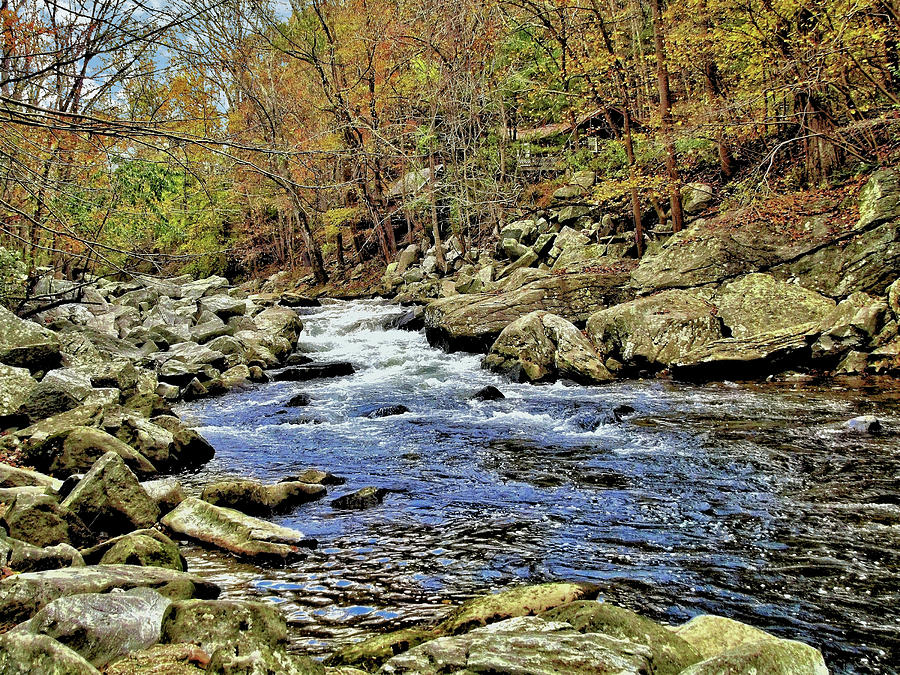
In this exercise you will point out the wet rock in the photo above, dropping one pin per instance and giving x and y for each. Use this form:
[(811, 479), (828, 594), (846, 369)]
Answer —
[(280, 322), (541, 346), (290, 299), (166, 492), (488, 393), (236, 532), (299, 401), (653, 332), (372, 652), (109, 497), (767, 657), (176, 659), (25, 344), (524, 645), (711, 635), (241, 659), (27, 654), (22, 595), (102, 627), (388, 411), (189, 449), (521, 601), (317, 477), (670, 653), (16, 384), (255, 498), (297, 360), (748, 358), (366, 498), (473, 321), (25, 557), (865, 424), (39, 520), (212, 624), (12, 476), (759, 303), (312, 371)]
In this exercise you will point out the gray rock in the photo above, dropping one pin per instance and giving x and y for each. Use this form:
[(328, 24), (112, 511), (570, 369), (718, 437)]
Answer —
[(102, 627), (527, 259), (235, 532), (25, 557), (541, 346), (215, 624), (12, 476), (46, 400), (254, 498), (280, 322), (109, 497), (25, 344), (16, 384), (408, 256), (695, 197), (166, 492), (223, 306), (27, 654), (41, 521), (75, 450), (866, 424)]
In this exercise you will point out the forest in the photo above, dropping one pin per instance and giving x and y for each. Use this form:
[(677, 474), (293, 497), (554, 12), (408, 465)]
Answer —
[(245, 137)]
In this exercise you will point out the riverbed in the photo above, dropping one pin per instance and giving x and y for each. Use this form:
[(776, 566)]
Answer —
[(750, 501)]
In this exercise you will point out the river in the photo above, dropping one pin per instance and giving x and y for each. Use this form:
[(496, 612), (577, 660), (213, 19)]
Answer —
[(750, 501)]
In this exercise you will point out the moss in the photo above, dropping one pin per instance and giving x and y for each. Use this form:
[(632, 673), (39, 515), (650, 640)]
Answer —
[(146, 551), (373, 652)]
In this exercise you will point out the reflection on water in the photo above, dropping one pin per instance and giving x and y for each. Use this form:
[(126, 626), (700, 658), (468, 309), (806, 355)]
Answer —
[(748, 501)]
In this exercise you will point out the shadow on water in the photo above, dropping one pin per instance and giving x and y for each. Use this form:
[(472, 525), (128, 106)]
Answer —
[(748, 501)]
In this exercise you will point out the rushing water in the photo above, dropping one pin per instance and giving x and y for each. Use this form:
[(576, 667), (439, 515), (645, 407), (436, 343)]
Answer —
[(752, 502)]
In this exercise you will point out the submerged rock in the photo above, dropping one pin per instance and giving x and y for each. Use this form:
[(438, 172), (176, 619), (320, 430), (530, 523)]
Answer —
[(299, 401), (317, 477), (236, 532), (255, 498), (366, 498), (388, 411), (488, 393), (312, 371)]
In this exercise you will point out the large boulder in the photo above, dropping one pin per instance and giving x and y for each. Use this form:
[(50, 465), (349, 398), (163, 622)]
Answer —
[(102, 627), (41, 521), (223, 306), (254, 498), (748, 358), (22, 595), (280, 322), (524, 645), (236, 532), (27, 654), (653, 332), (473, 321), (76, 450), (48, 399), (146, 548), (16, 385), (110, 498), (760, 303), (25, 557), (854, 324), (188, 449), (13, 476), (166, 492), (541, 346), (162, 659), (25, 344)]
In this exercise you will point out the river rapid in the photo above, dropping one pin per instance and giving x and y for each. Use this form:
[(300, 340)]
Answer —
[(749, 501)]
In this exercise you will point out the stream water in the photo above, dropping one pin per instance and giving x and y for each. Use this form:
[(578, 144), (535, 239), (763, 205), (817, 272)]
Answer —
[(749, 501)]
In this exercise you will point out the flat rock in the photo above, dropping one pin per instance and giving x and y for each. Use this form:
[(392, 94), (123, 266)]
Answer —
[(312, 371), (254, 498), (25, 344), (12, 476)]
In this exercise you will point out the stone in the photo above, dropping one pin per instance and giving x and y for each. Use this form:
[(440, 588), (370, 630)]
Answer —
[(13, 476), (166, 492), (47, 400), (109, 497), (279, 322), (16, 384), (569, 214), (102, 627), (176, 659), (523, 645), (413, 275), (748, 358), (711, 635), (27, 654), (372, 652), (653, 332), (25, 557), (512, 248), (223, 306), (210, 330), (317, 477), (25, 344), (387, 411), (864, 424), (39, 520), (254, 498), (759, 303), (236, 532), (22, 595), (408, 256), (516, 602), (851, 326), (200, 287), (541, 346), (243, 659), (523, 231), (696, 197), (366, 498), (766, 657), (188, 449), (527, 259), (488, 393), (75, 450), (313, 371), (299, 400), (145, 550), (473, 322), (670, 653)]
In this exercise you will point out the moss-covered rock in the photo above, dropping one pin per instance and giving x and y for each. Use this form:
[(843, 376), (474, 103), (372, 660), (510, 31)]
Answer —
[(711, 635), (670, 654), (27, 654), (155, 550), (244, 659), (521, 601), (166, 492), (76, 449), (371, 653), (15, 386), (25, 557), (766, 657), (366, 498), (25, 344), (175, 659), (40, 520), (214, 624), (255, 498), (12, 476)]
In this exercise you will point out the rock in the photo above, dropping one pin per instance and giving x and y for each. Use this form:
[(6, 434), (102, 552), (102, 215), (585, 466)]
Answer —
[(22, 595), (512, 249), (188, 448), (166, 492), (527, 259), (312, 371), (290, 299), (177, 659), (16, 384), (280, 322), (25, 557), (210, 330), (520, 601), (711, 635), (236, 532), (145, 550), (541, 346), (102, 627), (387, 411), (110, 498), (75, 450), (41, 521), (366, 498), (569, 214), (696, 197), (25, 344), (413, 275), (865, 424), (523, 231), (372, 652), (12, 476), (200, 287), (748, 358), (670, 653), (47, 400), (255, 498), (299, 401), (297, 360), (853, 325), (581, 258), (223, 306), (473, 322), (27, 654), (655, 331), (768, 657), (316, 477), (524, 645), (759, 303), (241, 659), (488, 393)]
